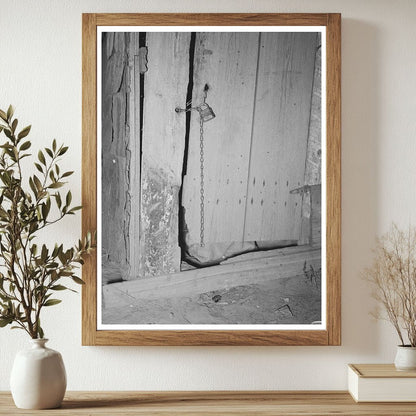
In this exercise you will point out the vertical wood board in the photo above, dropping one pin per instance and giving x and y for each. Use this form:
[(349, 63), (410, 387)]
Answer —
[(314, 149), (313, 165), (115, 153), (227, 63), (135, 157), (316, 212), (280, 132), (165, 87)]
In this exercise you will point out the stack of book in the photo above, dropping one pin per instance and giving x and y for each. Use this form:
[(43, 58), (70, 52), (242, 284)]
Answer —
[(381, 383)]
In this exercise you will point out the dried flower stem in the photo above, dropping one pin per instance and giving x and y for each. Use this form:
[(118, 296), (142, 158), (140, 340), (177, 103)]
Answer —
[(393, 276)]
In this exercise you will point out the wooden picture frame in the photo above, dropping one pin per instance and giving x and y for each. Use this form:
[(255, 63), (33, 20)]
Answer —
[(330, 334)]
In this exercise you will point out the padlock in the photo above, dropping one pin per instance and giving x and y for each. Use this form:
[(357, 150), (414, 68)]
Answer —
[(205, 112)]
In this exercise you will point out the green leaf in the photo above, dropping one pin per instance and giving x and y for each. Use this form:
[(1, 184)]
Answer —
[(76, 279), (41, 158), (56, 185), (68, 198), (51, 302), (49, 151), (25, 145), (54, 145), (44, 253), (8, 133), (55, 251), (4, 298), (45, 211), (14, 125), (32, 187), (67, 174), (24, 132), (10, 112), (3, 115), (5, 321), (58, 199), (40, 332), (39, 167), (37, 183), (77, 208), (63, 150), (59, 287), (62, 257)]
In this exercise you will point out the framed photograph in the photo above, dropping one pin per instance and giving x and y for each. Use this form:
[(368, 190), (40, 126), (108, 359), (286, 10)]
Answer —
[(211, 172)]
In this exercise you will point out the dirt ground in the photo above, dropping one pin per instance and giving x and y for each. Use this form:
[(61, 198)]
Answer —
[(292, 300)]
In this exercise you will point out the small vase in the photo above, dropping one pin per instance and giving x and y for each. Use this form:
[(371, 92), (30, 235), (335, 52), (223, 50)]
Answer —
[(38, 377), (405, 358)]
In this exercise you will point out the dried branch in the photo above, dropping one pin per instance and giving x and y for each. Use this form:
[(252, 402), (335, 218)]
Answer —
[(393, 276)]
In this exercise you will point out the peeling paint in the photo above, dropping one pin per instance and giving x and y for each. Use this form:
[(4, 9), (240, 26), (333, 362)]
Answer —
[(159, 218)]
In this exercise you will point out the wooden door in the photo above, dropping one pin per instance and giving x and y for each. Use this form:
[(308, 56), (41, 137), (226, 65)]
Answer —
[(260, 88), (226, 63)]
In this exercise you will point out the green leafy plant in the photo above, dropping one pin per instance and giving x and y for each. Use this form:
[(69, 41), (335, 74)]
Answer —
[(30, 272)]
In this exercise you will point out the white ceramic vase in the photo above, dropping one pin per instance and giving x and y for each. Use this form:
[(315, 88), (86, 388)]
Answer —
[(38, 378), (405, 358)]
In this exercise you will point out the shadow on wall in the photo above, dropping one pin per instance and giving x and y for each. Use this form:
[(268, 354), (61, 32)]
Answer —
[(360, 180)]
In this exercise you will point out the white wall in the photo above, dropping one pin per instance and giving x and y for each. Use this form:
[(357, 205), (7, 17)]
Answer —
[(40, 73)]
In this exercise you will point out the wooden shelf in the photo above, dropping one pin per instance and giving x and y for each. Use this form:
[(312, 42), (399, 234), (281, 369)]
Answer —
[(212, 403)]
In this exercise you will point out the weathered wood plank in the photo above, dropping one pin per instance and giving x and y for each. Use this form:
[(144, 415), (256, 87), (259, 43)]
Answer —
[(313, 166), (316, 226), (165, 89), (197, 281), (280, 133), (114, 148), (134, 149), (226, 62), (264, 254), (311, 215), (314, 149)]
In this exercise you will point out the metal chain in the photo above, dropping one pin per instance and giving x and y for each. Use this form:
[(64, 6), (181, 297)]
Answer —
[(202, 109), (201, 189)]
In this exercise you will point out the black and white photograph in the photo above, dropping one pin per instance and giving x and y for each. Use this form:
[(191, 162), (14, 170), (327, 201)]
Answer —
[(211, 176)]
